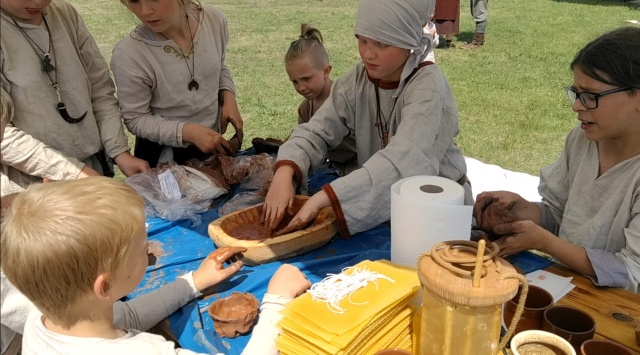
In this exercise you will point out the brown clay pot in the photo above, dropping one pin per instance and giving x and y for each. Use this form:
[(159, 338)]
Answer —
[(234, 315)]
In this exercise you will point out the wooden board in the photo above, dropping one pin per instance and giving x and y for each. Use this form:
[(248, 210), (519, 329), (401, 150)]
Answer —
[(274, 248)]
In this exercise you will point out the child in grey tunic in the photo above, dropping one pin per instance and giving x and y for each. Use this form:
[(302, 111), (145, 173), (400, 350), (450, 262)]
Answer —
[(589, 218), (398, 107)]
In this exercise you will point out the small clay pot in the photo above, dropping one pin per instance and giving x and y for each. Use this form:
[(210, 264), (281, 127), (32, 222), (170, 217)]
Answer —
[(234, 315)]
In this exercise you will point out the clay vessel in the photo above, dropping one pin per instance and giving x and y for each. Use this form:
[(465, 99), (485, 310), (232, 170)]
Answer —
[(234, 315)]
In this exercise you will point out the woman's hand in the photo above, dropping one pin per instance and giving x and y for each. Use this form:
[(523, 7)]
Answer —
[(522, 235), (130, 165), (206, 139), (230, 114), (288, 281), (212, 271), (517, 207), (279, 198), (308, 213)]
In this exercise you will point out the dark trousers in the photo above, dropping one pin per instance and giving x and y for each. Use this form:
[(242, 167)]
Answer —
[(150, 151)]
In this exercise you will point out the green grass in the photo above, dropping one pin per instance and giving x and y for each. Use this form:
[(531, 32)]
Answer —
[(510, 93)]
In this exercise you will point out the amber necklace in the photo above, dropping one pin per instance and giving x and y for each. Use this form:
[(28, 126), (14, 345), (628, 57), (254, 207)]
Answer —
[(193, 84), (47, 67)]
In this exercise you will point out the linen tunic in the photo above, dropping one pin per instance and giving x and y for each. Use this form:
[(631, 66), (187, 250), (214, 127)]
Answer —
[(344, 154), (152, 79), (55, 148), (599, 213), (422, 126)]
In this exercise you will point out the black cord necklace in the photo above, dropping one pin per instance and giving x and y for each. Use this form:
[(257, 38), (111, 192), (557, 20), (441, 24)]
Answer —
[(48, 67), (193, 84), (382, 123)]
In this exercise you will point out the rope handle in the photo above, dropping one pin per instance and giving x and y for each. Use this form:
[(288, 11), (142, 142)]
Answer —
[(519, 308)]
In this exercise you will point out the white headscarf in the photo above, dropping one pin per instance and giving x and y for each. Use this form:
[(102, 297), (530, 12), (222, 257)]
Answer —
[(398, 23)]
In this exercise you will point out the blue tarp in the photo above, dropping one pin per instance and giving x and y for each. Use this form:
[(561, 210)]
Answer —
[(183, 247)]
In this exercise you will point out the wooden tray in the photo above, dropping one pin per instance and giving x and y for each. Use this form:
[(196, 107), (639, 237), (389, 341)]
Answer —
[(273, 248)]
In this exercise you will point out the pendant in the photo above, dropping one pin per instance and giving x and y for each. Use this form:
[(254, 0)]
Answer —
[(62, 109), (385, 138), (46, 64), (193, 84)]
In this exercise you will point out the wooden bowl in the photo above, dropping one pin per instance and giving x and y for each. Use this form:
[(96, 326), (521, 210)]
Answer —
[(243, 229)]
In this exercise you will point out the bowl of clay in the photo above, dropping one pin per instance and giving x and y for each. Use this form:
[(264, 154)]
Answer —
[(234, 315), (243, 229)]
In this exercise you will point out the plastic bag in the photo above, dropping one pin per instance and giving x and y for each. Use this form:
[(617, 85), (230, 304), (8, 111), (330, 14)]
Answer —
[(240, 201), (174, 192)]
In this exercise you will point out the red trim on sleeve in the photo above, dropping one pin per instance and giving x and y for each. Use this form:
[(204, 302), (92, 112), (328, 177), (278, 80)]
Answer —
[(296, 169), (337, 210)]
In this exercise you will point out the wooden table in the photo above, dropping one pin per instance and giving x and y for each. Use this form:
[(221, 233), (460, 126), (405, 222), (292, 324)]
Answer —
[(615, 310)]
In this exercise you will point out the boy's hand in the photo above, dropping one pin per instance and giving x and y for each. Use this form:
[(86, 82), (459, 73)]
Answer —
[(288, 281), (212, 271)]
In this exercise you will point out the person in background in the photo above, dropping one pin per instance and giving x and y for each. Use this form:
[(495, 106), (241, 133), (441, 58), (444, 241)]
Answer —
[(479, 12), (174, 87), (87, 248), (67, 123), (401, 111), (589, 217), (308, 68), (430, 28), (447, 19)]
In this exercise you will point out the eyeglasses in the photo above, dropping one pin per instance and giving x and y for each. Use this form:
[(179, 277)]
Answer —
[(589, 99)]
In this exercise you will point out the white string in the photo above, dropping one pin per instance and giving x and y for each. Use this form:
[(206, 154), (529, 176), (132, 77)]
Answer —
[(335, 287)]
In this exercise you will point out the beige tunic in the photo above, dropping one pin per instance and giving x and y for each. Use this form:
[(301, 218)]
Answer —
[(343, 157), (42, 144), (599, 213), (152, 78)]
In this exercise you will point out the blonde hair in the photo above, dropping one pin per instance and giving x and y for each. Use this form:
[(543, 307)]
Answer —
[(58, 237), (309, 42), (6, 108)]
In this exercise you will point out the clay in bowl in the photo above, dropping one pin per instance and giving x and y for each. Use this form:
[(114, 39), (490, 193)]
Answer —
[(234, 315)]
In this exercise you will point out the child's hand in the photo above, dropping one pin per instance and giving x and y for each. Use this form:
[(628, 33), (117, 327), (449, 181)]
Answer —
[(212, 271), (130, 165), (86, 172), (230, 114), (288, 281), (308, 213), (279, 198), (206, 139)]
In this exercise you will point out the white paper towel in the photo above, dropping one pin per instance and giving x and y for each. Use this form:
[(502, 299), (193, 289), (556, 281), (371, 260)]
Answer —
[(426, 210)]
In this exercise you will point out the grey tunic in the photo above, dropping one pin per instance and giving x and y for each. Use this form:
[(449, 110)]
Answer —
[(422, 127), (599, 213), (152, 78), (48, 146)]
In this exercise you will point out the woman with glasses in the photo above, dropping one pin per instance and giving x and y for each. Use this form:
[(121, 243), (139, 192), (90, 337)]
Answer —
[(589, 217), (67, 122)]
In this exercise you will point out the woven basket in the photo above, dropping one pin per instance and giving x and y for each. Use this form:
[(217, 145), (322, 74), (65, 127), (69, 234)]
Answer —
[(272, 248)]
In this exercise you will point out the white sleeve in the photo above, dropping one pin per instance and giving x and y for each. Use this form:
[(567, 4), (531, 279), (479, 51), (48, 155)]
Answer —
[(265, 333), (145, 311), (14, 309)]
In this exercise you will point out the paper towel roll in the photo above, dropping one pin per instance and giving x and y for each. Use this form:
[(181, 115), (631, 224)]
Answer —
[(426, 210)]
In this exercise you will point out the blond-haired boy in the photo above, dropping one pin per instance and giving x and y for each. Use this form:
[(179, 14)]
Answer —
[(14, 306), (74, 248)]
